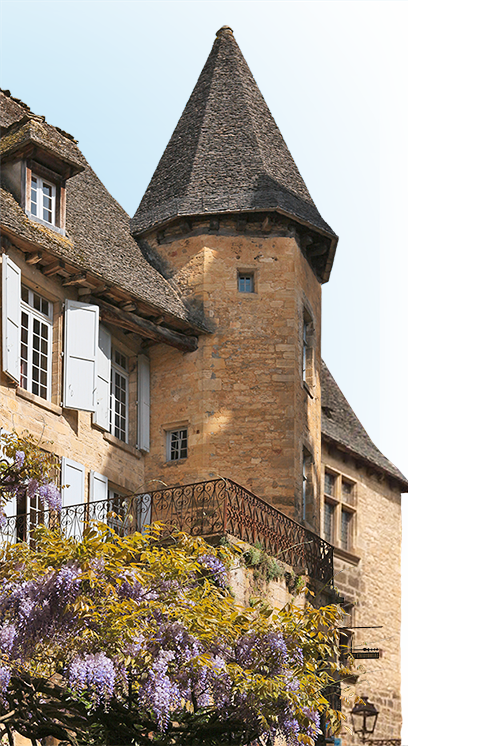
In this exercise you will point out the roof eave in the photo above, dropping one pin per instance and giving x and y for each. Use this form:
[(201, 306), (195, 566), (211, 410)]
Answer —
[(323, 274), (400, 480)]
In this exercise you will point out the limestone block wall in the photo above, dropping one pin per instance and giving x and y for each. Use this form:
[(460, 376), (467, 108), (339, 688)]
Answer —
[(368, 576), (240, 394)]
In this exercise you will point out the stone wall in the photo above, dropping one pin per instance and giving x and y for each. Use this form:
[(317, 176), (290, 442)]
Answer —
[(241, 393), (368, 577)]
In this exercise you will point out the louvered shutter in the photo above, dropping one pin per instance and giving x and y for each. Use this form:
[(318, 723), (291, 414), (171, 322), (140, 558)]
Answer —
[(104, 362), (11, 289), (72, 519), (143, 397), (98, 487), (81, 344)]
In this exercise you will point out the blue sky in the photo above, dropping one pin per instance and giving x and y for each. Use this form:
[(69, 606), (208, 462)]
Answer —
[(117, 75)]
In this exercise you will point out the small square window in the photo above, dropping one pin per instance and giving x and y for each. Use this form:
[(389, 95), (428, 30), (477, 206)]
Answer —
[(176, 444), (245, 282)]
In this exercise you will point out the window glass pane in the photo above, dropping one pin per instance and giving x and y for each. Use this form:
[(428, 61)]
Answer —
[(35, 345), (118, 398), (177, 444), (347, 491), (345, 529), (245, 283), (330, 480), (33, 196), (328, 513)]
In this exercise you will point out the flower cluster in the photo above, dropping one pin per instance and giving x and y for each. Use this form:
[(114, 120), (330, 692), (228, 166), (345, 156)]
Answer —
[(216, 569), (5, 676), (94, 673), (266, 653), (50, 495), (159, 693)]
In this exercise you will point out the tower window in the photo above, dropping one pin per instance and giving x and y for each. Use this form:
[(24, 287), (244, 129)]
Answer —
[(245, 282), (176, 444), (308, 362)]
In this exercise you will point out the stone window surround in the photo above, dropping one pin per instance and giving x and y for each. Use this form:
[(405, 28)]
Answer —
[(247, 272), (340, 505)]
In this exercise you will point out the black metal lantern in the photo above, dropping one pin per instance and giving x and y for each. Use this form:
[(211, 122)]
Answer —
[(364, 718)]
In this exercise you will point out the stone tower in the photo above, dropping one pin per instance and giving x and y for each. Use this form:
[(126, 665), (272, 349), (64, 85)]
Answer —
[(228, 219)]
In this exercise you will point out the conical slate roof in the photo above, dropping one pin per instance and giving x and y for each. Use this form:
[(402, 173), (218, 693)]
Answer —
[(226, 153)]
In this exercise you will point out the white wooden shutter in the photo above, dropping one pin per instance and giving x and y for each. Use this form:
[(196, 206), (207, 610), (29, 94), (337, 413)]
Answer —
[(72, 520), (11, 289), (143, 397), (81, 344), (98, 487), (73, 475), (104, 363)]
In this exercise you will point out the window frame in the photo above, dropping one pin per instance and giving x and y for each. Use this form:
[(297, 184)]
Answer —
[(244, 274), (122, 372), (34, 314), (340, 506), (41, 184), (308, 350), (175, 431)]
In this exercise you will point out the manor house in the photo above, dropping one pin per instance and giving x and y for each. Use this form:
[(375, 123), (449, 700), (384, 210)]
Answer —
[(177, 355)]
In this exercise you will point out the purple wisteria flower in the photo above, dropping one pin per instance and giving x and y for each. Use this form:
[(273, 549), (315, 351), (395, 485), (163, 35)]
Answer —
[(32, 488), (5, 676), (159, 694), (8, 634), (216, 569), (94, 673), (3, 518), (19, 459), (268, 651), (50, 495)]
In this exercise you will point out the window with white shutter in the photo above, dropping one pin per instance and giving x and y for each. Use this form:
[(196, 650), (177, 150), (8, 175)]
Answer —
[(104, 361), (143, 396), (73, 494), (80, 366), (11, 285)]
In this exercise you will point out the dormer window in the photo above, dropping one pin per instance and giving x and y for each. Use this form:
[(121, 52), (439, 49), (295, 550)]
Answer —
[(45, 196), (42, 199)]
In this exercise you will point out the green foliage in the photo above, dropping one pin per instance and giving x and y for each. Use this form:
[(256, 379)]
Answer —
[(22, 459)]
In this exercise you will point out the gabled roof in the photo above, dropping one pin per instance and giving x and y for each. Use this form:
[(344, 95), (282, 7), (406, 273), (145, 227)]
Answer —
[(226, 153), (341, 424), (98, 237)]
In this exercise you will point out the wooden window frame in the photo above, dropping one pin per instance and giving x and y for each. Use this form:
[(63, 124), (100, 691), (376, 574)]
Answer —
[(340, 506), (244, 274), (26, 307), (175, 431), (118, 369)]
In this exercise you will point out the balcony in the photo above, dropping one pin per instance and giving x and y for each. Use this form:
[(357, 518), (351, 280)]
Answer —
[(209, 509)]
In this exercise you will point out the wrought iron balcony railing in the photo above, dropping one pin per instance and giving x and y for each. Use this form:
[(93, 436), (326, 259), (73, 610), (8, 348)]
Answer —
[(213, 508)]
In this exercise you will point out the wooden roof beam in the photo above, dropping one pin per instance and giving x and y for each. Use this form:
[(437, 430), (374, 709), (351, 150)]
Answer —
[(143, 327)]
